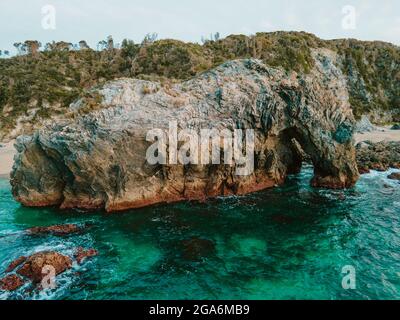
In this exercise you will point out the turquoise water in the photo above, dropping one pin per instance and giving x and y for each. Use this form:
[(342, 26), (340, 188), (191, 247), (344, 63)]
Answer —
[(286, 243)]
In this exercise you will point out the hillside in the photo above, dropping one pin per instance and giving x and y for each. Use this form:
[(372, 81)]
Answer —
[(42, 84)]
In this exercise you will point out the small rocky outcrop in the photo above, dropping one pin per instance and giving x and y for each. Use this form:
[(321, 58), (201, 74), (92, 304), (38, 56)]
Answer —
[(11, 282), (394, 176), (32, 268), (15, 263), (98, 159), (82, 254), (379, 156), (57, 230)]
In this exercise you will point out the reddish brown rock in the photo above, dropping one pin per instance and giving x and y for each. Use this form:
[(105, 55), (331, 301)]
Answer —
[(33, 266), (81, 254), (11, 283), (364, 170), (379, 167), (57, 230), (15, 264), (394, 176), (194, 249)]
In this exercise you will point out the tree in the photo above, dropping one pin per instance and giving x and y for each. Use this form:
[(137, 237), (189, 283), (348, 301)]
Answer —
[(101, 45), (32, 46), (149, 39), (129, 48), (110, 43), (21, 48), (83, 45), (6, 53)]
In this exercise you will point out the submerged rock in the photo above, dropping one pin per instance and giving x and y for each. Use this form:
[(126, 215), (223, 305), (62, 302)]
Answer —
[(33, 266), (11, 283), (194, 249), (57, 230), (98, 160)]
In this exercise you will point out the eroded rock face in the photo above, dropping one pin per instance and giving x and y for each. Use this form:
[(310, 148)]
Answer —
[(98, 160)]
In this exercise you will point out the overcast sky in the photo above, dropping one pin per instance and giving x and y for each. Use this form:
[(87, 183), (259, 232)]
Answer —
[(189, 20)]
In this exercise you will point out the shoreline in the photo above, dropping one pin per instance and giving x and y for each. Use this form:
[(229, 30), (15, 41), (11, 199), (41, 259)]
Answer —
[(380, 134), (7, 152)]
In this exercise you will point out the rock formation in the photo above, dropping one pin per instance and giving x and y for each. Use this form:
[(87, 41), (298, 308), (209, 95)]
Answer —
[(81, 254), (57, 230), (97, 159), (378, 156), (32, 268)]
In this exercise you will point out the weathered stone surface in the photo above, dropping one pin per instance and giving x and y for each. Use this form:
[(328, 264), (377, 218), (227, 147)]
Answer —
[(81, 254), (33, 266), (15, 263), (378, 156), (11, 283), (58, 230), (98, 160)]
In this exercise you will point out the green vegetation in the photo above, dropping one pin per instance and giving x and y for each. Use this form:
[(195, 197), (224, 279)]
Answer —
[(48, 81), (373, 70)]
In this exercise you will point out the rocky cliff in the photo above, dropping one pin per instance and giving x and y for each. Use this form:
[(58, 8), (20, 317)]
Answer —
[(97, 158)]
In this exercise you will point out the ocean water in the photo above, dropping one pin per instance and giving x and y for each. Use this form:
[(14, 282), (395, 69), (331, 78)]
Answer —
[(290, 242)]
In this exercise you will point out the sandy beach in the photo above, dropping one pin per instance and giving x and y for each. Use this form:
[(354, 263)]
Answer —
[(381, 134), (7, 152)]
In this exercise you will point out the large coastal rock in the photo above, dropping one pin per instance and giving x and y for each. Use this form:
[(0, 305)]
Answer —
[(98, 160)]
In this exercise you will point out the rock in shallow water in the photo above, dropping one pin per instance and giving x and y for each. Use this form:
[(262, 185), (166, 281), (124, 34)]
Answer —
[(11, 283), (58, 230), (81, 254), (33, 266), (15, 263), (98, 160), (378, 156), (394, 176)]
